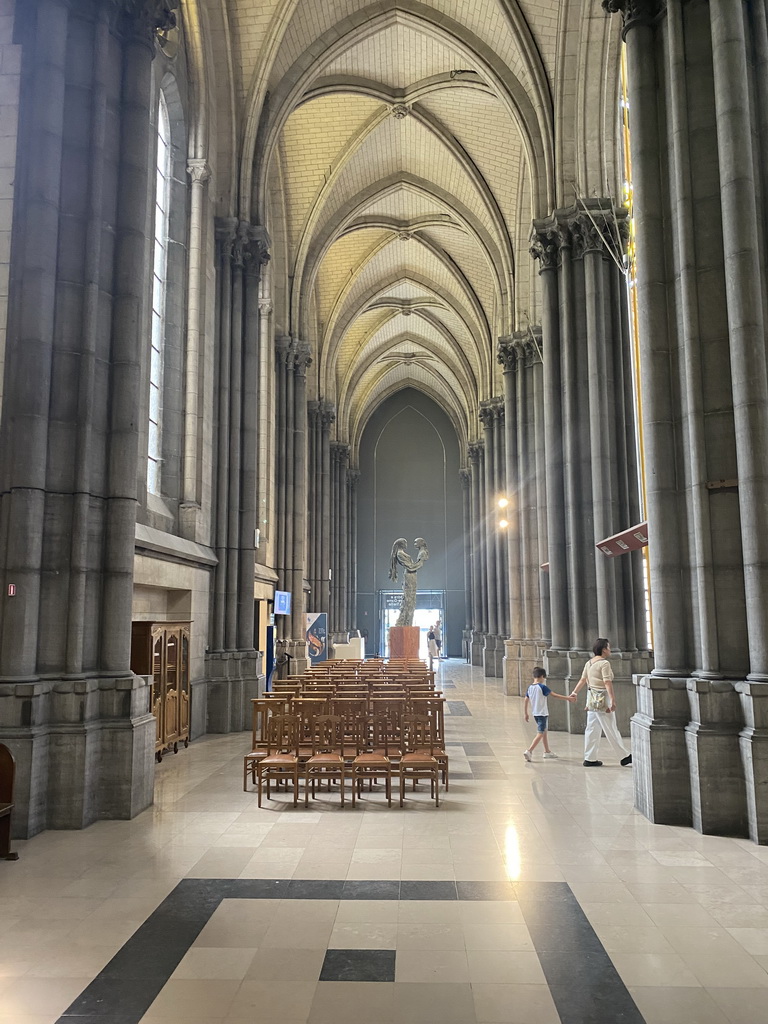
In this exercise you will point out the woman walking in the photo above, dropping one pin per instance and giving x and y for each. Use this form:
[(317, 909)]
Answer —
[(601, 705)]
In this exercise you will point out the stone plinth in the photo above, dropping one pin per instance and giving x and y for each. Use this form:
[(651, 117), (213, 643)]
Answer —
[(753, 740), (234, 678), (718, 789), (404, 641), (659, 750)]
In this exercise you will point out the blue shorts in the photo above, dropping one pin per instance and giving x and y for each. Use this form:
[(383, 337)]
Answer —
[(541, 722)]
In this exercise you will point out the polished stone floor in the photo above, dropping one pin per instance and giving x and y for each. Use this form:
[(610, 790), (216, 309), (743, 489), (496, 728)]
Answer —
[(534, 894)]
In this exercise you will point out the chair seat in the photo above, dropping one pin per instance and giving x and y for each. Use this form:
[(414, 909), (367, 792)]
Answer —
[(254, 754), (335, 759), (372, 759), (413, 759), (279, 759)]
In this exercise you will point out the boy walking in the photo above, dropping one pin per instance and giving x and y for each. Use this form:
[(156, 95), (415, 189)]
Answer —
[(536, 703)]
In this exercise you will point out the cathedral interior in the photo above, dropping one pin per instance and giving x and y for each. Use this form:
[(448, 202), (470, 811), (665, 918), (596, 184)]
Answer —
[(282, 281)]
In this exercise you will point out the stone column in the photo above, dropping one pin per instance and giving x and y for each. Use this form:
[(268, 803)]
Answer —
[(233, 665), (475, 452), (314, 457), (339, 520), (70, 709), (302, 360), (354, 479), (199, 173), (744, 253), (501, 537), (539, 461), (656, 354), (508, 357), (546, 251), (466, 508), (701, 301), (327, 416), (490, 528)]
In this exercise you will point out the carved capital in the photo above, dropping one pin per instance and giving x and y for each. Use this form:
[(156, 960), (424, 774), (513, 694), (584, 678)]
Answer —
[(340, 453), (506, 354), (486, 413), (466, 478), (302, 356), (546, 249), (475, 452), (400, 110), (634, 12), (313, 412), (265, 306), (353, 476), (198, 171), (327, 414)]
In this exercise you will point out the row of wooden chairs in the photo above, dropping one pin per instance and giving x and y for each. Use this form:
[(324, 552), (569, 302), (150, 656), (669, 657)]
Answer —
[(304, 744)]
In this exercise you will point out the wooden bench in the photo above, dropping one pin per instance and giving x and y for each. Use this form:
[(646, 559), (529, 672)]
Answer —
[(7, 773)]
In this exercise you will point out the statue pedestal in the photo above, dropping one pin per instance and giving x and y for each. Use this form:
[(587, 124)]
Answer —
[(404, 641)]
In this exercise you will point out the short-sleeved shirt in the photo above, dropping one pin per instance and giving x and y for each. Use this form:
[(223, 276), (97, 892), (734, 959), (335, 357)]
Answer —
[(537, 695), (596, 673)]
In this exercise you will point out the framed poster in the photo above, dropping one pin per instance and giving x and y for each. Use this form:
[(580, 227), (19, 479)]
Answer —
[(317, 636)]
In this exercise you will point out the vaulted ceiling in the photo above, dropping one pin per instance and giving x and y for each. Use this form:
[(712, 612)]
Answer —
[(397, 152)]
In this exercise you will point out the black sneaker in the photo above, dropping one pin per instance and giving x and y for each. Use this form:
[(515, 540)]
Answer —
[(593, 764), (626, 760)]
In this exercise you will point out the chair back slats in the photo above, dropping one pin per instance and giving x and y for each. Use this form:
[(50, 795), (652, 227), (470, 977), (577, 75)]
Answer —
[(327, 733), (282, 734)]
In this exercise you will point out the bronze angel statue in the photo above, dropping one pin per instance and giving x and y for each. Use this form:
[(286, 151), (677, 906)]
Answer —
[(411, 566)]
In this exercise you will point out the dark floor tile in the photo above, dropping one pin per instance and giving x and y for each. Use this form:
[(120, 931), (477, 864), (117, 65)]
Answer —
[(486, 890), (558, 892), (358, 965), (559, 927), (314, 889), (106, 998), (590, 992), (478, 749), (258, 889), (458, 707), (90, 1018), (415, 890), (362, 890), (139, 959)]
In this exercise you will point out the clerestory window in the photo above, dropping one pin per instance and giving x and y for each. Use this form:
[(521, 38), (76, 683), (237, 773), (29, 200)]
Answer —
[(159, 288)]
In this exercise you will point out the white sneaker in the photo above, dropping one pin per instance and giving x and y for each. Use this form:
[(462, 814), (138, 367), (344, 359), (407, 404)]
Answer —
[(527, 755), (550, 753)]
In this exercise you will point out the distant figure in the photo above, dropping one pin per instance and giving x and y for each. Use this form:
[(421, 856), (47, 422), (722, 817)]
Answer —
[(536, 705), (601, 705), (432, 645), (411, 567)]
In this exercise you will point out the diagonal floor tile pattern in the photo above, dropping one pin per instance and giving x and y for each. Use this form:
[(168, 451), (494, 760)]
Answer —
[(492, 905)]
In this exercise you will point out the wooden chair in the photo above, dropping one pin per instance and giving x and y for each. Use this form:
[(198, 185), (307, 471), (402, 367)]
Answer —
[(434, 707), (327, 758), (374, 732), (7, 776), (349, 710), (417, 760), (281, 763), (261, 710)]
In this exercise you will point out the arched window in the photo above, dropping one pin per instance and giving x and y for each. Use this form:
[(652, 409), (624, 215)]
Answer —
[(159, 285)]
